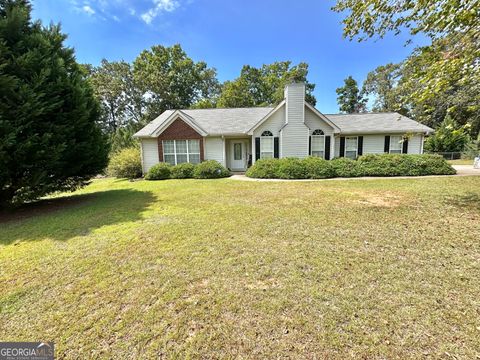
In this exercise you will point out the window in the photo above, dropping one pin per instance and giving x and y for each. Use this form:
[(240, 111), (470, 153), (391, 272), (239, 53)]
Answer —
[(396, 143), (266, 145), (181, 151), (351, 146), (237, 151), (318, 143)]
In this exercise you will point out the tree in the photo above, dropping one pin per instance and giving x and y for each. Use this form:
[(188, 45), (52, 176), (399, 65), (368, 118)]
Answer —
[(449, 137), (454, 20), (169, 79), (264, 86), (349, 99), (49, 139)]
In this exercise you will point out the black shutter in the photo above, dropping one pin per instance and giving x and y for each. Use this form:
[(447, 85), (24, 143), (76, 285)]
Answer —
[(257, 148), (360, 146), (327, 147), (386, 148), (310, 145), (342, 146), (405, 146), (275, 148)]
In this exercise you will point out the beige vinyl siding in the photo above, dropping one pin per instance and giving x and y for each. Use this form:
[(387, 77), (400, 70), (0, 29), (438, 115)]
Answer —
[(214, 149), (313, 122), (273, 123), (415, 144), (294, 138), (149, 150)]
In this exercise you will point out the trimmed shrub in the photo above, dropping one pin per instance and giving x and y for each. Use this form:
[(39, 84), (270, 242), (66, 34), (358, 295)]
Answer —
[(318, 168), (367, 165), (182, 171), (264, 169), (344, 167), (126, 164), (160, 171), (210, 169)]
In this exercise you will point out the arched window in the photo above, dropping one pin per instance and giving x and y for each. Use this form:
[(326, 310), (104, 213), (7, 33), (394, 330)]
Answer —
[(317, 143), (266, 145)]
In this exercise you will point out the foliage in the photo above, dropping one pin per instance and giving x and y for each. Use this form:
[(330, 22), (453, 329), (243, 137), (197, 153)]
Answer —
[(264, 86), (350, 99), (160, 171), (448, 138), (126, 164), (182, 171), (210, 169), (472, 149), (49, 140), (169, 79), (367, 165), (122, 138), (433, 73)]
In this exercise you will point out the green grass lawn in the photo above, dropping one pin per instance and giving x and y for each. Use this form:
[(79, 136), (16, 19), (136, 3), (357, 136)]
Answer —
[(460, 162), (226, 269)]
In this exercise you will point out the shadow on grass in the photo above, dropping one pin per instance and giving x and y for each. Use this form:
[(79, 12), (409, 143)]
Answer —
[(69, 216), (467, 201)]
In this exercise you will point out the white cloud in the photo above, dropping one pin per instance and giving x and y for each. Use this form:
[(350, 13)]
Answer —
[(88, 9), (159, 6)]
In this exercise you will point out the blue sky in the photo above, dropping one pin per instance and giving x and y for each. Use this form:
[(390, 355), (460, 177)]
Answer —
[(226, 34)]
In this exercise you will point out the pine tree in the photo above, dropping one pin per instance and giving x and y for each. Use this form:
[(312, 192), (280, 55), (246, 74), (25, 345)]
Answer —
[(49, 140)]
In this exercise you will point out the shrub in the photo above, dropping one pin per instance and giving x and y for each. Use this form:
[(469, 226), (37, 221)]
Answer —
[(126, 164), (160, 171), (318, 168), (264, 169), (291, 168), (344, 167), (210, 169), (182, 171)]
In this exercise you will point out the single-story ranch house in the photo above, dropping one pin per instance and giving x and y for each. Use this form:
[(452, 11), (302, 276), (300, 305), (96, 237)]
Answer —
[(238, 137)]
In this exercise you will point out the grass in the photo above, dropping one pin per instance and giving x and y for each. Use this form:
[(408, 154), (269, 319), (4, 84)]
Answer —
[(226, 269), (460, 162)]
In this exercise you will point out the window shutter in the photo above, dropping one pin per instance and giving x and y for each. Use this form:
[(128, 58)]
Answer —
[(386, 148), (360, 146), (405, 146), (342, 146), (275, 147), (309, 145), (327, 147), (257, 148)]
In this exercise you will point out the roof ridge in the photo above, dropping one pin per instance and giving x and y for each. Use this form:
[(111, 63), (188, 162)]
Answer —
[(235, 108), (368, 113)]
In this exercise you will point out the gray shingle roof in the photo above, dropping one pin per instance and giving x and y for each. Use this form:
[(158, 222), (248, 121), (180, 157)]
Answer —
[(369, 123), (214, 121), (240, 120)]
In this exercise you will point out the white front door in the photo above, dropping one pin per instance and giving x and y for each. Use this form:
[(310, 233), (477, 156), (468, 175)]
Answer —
[(238, 155)]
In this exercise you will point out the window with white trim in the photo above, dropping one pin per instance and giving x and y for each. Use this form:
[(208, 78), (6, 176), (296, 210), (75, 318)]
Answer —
[(396, 144), (318, 143), (351, 147), (181, 151), (266, 145)]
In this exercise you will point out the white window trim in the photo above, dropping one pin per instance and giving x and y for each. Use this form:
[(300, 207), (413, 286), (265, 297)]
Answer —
[(262, 137), (356, 149), (311, 145), (391, 142), (175, 153)]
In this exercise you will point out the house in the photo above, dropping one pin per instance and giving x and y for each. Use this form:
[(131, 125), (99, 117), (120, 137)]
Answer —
[(238, 137)]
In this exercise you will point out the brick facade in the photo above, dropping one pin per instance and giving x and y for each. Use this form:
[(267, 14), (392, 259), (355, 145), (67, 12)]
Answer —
[(179, 130)]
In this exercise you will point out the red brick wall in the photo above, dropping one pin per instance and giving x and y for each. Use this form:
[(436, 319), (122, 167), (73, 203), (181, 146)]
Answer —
[(179, 130)]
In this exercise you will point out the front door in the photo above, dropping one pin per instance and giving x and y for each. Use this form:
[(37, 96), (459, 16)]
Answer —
[(238, 154)]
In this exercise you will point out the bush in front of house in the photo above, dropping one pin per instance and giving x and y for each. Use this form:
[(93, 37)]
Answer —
[(126, 164), (182, 171), (367, 165), (210, 169), (160, 171)]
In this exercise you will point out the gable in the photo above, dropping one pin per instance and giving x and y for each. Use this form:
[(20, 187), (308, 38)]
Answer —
[(313, 122), (179, 129)]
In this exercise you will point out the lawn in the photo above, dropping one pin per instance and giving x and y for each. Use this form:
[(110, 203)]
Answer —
[(460, 162), (226, 269)]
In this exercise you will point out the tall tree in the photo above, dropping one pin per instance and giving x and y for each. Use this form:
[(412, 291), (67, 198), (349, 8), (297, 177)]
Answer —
[(350, 99), (49, 138), (264, 86), (169, 79)]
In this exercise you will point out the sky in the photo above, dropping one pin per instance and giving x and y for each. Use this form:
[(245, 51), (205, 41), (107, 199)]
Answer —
[(226, 34)]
